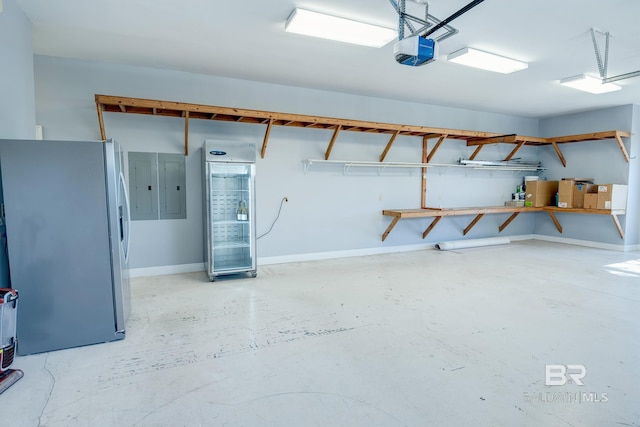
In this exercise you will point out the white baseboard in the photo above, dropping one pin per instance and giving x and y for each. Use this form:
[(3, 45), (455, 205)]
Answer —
[(587, 243), (166, 269), (522, 237), (316, 256)]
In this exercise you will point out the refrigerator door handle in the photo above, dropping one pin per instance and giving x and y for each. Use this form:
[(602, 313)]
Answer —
[(128, 210)]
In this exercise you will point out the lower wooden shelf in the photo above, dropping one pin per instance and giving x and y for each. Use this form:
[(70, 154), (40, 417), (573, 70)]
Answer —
[(438, 213)]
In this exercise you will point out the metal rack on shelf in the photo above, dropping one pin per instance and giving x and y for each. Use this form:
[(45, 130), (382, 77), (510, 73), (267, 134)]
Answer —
[(348, 164)]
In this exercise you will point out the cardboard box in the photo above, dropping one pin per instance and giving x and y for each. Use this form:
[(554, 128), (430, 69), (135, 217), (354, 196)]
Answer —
[(612, 196), (565, 193), (591, 200), (541, 193), (586, 180), (579, 191)]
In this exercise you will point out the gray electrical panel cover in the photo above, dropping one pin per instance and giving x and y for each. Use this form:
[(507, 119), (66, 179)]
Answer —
[(171, 176), (143, 182), (157, 184)]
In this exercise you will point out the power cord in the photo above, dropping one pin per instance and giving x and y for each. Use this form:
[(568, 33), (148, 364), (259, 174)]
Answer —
[(284, 199)]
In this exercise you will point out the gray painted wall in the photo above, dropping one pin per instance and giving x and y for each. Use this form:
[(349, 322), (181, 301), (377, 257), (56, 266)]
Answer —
[(328, 210), (633, 202), (17, 104), (601, 160)]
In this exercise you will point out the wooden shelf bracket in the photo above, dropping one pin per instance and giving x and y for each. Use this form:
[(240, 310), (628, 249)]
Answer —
[(555, 220), (559, 153), (336, 131), (616, 222), (508, 221), (473, 223), (513, 152), (103, 135), (431, 226), (476, 152), (622, 147), (266, 138), (435, 148), (390, 227), (389, 144)]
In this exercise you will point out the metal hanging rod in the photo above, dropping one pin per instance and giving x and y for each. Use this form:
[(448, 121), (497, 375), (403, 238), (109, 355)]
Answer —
[(452, 17), (406, 20), (603, 63)]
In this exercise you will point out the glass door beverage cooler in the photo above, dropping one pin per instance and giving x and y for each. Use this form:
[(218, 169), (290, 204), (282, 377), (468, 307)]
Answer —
[(230, 216)]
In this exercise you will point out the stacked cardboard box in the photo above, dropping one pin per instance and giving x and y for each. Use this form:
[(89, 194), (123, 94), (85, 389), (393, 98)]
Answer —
[(612, 196), (541, 193), (591, 198), (576, 193), (571, 192)]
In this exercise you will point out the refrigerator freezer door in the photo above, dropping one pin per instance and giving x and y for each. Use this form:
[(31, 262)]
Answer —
[(119, 228), (58, 232)]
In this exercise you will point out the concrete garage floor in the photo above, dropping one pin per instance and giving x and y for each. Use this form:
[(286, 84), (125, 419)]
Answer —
[(408, 339)]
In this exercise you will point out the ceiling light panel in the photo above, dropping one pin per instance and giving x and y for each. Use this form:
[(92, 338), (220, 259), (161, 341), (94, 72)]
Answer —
[(486, 61), (316, 24), (589, 84)]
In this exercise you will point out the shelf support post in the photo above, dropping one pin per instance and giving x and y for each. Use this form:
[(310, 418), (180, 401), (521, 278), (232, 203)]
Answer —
[(423, 186), (103, 134), (431, 226), (473, 223), (336, 131), (559, 153), (389, 144), (266, 138), (186, 133), (622, 147)]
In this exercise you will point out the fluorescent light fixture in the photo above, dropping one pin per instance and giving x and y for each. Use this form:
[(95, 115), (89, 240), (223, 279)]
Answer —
[(486, 61), (589, 84), (315, 24)]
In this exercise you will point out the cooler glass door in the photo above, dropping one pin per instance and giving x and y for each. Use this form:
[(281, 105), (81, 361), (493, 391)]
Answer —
[(231, 217)]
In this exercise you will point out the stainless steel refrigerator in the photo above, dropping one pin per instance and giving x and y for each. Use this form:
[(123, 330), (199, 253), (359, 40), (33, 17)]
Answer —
[(230, 217), (67, 223)]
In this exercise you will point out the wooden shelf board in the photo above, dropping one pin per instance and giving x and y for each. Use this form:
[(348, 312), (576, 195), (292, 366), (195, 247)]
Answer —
[(127, 105), (439, 213), (424, 213), (210, 112)]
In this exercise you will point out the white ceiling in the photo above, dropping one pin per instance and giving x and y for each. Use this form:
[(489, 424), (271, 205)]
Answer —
[(246, 39)]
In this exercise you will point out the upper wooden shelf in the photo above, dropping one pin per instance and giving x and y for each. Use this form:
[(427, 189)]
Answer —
[(119, 104)]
